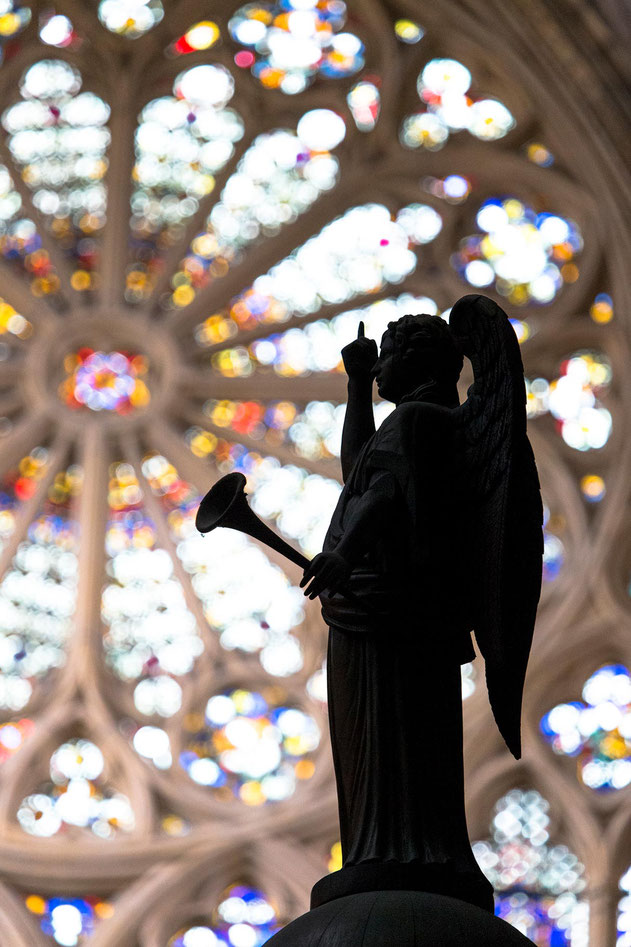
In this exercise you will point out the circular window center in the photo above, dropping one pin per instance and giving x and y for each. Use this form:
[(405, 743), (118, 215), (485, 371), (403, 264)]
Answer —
[(105, 381)]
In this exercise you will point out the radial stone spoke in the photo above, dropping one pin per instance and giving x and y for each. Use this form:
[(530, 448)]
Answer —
[(87, 24), (9, 402), (119, 184), (284, 453), (15, 291), (10, 374), (23, 438), (86, 644), (28, 511), (265, 255), (197, 222), (320, 386)]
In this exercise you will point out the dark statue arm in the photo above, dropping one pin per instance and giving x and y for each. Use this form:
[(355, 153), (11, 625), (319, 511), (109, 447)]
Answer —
[(330, 570), (359, 424)]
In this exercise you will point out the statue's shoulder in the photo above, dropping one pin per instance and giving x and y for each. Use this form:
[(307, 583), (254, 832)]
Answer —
[(414, 424), (423, 414)]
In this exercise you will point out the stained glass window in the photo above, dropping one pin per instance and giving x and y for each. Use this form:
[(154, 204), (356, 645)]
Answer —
[(197, 208), (76, 796), (243, 918), (596, 730), (67, 921), (537, 885)]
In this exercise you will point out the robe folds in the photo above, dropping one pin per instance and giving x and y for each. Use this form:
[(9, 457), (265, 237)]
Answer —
[(395, 650)]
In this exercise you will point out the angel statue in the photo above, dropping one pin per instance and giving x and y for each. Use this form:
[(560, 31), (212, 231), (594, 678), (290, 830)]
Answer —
[(437, 533)]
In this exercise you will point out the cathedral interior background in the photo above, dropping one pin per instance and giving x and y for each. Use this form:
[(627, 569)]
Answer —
[(198, 203)]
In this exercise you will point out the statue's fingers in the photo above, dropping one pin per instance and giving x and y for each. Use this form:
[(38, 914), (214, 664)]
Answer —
[(307, 591), (360, 330), (308, 574)]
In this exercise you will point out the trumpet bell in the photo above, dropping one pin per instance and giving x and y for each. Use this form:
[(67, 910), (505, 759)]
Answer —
[(220, 502), (225, 504)]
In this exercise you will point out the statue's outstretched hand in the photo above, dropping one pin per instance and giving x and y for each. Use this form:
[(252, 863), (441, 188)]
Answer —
[(327, 570), (360, 355)]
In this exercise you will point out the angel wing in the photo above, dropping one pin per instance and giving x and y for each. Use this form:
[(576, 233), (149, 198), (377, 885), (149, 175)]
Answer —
[(505, 500)]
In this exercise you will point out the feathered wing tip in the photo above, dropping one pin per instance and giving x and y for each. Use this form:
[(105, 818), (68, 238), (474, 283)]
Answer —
[(506, 709), (507, 542)]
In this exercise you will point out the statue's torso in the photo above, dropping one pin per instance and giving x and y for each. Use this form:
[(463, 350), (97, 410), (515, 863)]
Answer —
[(414, 566)]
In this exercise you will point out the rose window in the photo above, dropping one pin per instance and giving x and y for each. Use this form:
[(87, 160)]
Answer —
[(197, 209)]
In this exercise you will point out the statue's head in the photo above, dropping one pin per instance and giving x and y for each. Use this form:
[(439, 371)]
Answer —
[(416, 350)]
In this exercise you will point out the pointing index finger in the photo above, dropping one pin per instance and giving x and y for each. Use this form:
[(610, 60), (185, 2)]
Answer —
[(360, 331)]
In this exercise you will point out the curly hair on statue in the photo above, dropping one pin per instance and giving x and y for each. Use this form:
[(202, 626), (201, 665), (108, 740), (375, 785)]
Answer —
[(430, 342)]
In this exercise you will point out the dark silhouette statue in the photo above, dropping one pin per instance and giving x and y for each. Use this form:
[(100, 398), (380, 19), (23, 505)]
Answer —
[(437, 534)]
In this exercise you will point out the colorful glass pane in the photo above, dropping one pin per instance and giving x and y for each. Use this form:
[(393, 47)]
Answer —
[(468, 675), (454, 188), (539, 154), (292, 42), (18, 485), (152, 743), (359, 252), (317, 347), (601, 310), (14, 16), (448, 105), (408, 31), (201, 35), (596, 730), (536, 884), (249, 746), (624, 911), (13, 322), (151, 635), (182, 141), (278, 178), (57, 136), (593, 488), (244, 918), (364, 102), (573, 399), (335, 857), (13, 734), (38, 594), (76, 795), (56, 30), (67, 921), (20, 243), (527, 256), (246, 599), (105, 381), (553, 548), (316, 685), (130, 18)]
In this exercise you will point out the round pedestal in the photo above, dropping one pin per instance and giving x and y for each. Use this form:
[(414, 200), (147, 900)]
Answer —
[(398, 919)]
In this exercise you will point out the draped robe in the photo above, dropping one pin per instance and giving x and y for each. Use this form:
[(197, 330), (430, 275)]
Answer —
[(395, 650)]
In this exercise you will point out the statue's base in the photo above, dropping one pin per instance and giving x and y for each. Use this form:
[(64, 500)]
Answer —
[(469, 886), (398, 919)]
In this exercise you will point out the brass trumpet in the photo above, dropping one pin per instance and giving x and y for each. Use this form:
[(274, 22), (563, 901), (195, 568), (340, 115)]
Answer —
[(225, 504)]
